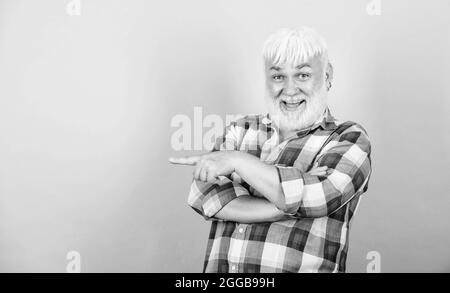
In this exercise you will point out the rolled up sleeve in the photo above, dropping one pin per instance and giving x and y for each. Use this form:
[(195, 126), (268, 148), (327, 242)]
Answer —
[(349, 167), (208, 199)]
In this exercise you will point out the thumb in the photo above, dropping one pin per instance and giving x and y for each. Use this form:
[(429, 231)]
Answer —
[(188, 160)]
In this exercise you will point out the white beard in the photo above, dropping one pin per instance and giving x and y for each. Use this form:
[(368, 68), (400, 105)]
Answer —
[(297, 120)]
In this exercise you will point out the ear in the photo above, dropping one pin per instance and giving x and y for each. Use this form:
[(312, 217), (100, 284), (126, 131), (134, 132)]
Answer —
[(329, 73), (329, 76)]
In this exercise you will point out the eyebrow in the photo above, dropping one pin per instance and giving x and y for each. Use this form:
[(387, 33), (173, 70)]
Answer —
[(302, 65), (297, 67)]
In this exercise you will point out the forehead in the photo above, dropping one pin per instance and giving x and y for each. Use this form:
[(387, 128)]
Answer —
[(315, 62)]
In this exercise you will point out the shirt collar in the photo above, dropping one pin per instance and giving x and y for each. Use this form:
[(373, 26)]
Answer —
[(327, 121)]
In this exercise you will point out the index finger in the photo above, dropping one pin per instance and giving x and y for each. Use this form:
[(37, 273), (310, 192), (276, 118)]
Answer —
[(320, 168), (189, 160)]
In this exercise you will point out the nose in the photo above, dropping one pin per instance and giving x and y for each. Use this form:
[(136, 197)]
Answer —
[(290, 88)]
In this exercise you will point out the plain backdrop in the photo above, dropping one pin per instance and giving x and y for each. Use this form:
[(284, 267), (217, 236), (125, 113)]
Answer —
[(87, 101)]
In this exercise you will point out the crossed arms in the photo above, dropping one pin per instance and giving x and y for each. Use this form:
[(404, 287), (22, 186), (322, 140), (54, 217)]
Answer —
[(225, 199), (278, 192)]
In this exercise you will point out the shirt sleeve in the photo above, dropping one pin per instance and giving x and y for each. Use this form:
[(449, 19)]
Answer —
[(208, 198), (349, 167)]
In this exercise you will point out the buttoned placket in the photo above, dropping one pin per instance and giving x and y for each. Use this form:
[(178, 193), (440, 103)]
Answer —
[(271, 146), (278, 146), (240, 232)]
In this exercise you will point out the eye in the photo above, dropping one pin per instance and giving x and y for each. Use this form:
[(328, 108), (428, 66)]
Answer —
[(277, 77), (304, 76)]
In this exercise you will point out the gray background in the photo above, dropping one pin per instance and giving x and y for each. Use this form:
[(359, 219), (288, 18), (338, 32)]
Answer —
[(86, 104)]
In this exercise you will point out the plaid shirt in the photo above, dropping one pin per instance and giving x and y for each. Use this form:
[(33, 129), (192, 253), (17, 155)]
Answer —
[(314, 235)]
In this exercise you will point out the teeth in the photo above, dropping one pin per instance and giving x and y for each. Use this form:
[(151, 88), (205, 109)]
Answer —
[(292, 105)]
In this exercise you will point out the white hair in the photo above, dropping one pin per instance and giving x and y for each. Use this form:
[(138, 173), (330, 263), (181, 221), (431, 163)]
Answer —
[(294, 46)]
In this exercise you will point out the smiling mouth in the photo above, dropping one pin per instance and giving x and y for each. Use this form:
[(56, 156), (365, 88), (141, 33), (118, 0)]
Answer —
[(292, 106)]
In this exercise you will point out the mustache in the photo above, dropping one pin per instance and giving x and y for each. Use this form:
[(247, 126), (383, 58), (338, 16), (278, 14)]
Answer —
[(300, 95), (281, 93), (290, 99)]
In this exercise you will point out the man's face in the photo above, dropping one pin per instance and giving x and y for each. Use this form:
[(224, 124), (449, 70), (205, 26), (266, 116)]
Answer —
[(296, 93)]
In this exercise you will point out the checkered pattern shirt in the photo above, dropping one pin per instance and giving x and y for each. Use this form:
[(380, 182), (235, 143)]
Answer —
[(313, 237)]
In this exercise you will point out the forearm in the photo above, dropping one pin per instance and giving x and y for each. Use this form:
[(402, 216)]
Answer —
[(249, 209), (261, 176)]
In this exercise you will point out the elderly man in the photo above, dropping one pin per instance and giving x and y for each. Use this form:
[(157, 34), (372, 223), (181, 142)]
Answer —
[(282, 188)]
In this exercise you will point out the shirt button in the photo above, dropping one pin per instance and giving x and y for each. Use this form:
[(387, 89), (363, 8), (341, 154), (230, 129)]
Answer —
[(233, 267), (241, 230)]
